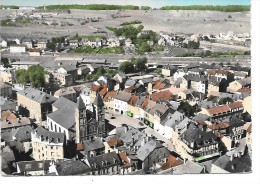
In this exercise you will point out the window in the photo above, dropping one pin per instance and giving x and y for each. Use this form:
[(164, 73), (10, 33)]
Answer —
[(59, 129)]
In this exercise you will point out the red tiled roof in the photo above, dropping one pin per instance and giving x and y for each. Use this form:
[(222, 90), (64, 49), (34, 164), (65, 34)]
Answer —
[(200, 122), (171, 162), (245, 90), (235, 105), (219, 71), (159, 85), (80, 146), (133, 100), (11, 117), (218, 110), (162, 95), (109, 94), (103, 91), (114, 142), (95, 88), (216, 126), (6, 114), (130, 89)]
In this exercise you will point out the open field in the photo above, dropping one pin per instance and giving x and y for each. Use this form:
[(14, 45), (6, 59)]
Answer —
[(182, 21)]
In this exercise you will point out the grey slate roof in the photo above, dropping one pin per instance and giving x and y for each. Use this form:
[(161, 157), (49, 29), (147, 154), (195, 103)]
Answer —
[(23, 133), (104, 161), (6, 104), (72, 167), (188, 168), (63, 102), (123, 96), (144, 151), (200, 138), (245, 81), (37, 95), (183, 123), (98, 101), (69, 68), (33, 165), (90, 145), (140, 101), (130, 82), (200, 116), (46, 135), (205, 104), (237, 165), (65, 115), (174, 119)]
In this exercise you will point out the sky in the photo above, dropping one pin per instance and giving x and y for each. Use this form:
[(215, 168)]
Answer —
[(152, 3)]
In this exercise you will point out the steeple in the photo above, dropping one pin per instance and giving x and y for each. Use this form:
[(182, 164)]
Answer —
[(98, 101), (80, 104)]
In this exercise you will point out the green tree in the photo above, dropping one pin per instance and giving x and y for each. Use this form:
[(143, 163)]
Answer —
[(36, 76), (127, 67), (5, 62), (225, 100), (22, 76), (186, 108), (221, 64), (140, 64)]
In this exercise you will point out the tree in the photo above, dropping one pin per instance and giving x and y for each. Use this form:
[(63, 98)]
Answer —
[(140, 64), (221, 64), (34, 75), (186, 108), (127, 67), (5, 62), (22, 76), (225, 100)]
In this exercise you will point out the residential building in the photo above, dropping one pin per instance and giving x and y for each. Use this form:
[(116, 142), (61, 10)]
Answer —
[(24, 64), (168, 70), (121, 102), (38, 103), (5, 89), (47, 145), (17, 48), (33, 168), (67, 92), (238, 84)]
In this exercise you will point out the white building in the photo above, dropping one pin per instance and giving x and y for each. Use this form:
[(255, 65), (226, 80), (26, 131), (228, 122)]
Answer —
[(17, 49), (121, 102)]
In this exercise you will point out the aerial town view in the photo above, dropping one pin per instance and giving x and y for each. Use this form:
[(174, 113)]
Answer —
[(118, 89)]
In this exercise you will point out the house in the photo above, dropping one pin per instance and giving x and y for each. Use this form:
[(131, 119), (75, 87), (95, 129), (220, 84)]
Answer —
[(221, 74), (92, 42), (223, 111), (112, 145), (230, 164), (47, 145), (33, 168), (109, 100), (17, 48), (28, 43), (34, 52), (5, 89), (121, 102), (94, 147), (188, 167), (121, 77), (38, 103), (171, 161), (41, 44), (196, 144), (168, 70), (7, 160), (238, 84), (219, 85), (198, 83), (152, 154), (105, 164), (239, 75), (67, 92), (113, 42), (7, 75), (74, 43), (128, 42), (65, 75), (70, 167), (5, 105), (11, 122), (178, 74), (235, 132)]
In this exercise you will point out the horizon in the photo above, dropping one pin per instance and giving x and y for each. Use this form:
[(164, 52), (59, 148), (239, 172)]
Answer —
[(151, 3)]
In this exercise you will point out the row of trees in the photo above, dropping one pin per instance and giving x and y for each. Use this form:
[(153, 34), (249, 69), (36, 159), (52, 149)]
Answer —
[(34, 76), (101, 71), (134, 65), (91, 7), (228, 8)]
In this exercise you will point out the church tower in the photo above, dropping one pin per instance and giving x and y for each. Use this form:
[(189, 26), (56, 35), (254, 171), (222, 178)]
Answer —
[(81, 121), (99, 115)]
